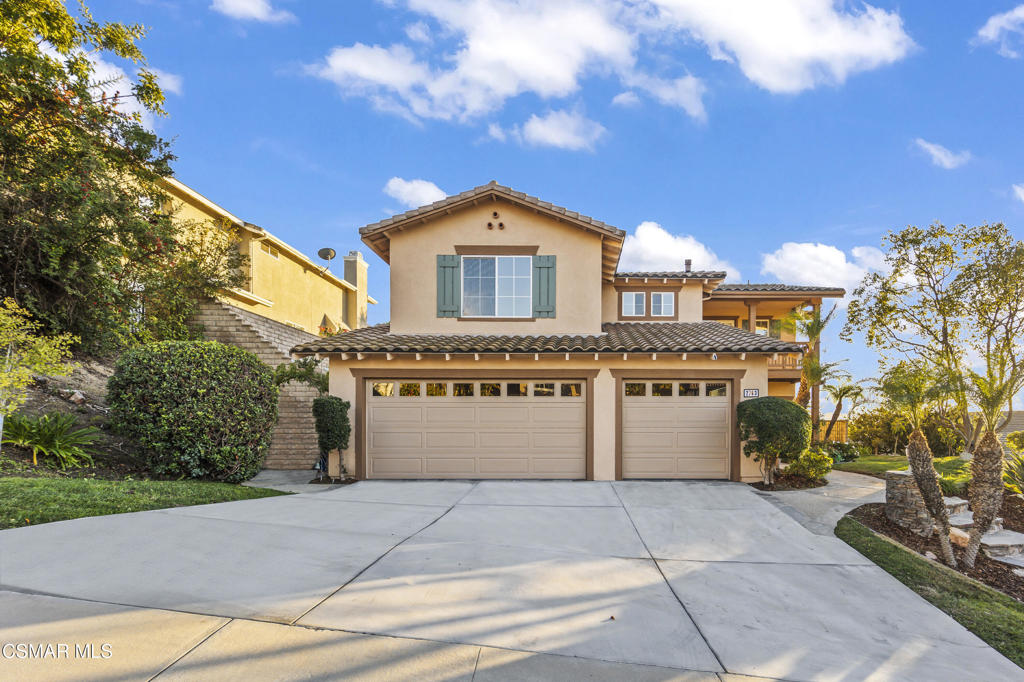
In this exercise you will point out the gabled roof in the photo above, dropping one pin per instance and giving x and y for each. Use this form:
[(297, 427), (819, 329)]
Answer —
[(618, 337), (375, 235)]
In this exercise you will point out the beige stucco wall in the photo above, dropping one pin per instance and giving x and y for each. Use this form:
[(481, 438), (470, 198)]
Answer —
[(295, 291), (688, 300), (343, 384), (414, 270), (782, 389)]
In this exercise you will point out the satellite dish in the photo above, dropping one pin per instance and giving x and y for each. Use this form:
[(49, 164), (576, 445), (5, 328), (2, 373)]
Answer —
[(326, 253)]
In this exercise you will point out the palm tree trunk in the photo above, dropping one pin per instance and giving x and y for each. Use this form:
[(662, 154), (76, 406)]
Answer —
[(803, 394), (835, 418), (922, 466), (815, 413), (985, 491)]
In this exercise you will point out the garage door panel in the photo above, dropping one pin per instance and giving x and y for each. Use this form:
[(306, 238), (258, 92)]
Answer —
[(397, 465), (504, 439), (440, 440), (573, 440), (450, 465), (673, 436), (482, 435), (447, 414), (398, 414), (651, 440), (504, 414)]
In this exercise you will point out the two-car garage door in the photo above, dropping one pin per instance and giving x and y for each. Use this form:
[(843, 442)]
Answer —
[(476, 428)]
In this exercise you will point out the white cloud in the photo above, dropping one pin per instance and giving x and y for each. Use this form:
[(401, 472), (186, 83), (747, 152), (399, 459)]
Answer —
[(651, 247), (413, 193), (418, 32), (562, 129), (251, 10), (169, 82), (496, 132), (942, 157), (815, 264), (481, 53), (627, 98), (790, 45), (1018, 191), (1003, 29)]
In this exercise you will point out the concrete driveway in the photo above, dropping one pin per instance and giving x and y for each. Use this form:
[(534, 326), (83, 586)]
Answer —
[(463, 580)]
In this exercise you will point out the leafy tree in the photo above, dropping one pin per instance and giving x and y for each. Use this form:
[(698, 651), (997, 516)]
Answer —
[(304, 370), (910, 389), (1016, 441), (844, 390), (87, 244), (879, 429), (24, 352)]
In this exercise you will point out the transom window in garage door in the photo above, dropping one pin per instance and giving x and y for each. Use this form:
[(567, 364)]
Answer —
[(468, 389), (682, 389)]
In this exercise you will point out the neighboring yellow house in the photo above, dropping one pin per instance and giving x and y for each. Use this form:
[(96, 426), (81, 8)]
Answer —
[(518, 349), (283, 284)]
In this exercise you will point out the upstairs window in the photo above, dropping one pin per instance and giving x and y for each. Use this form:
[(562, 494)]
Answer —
[(497, 286), (663, 304), (633, 304)]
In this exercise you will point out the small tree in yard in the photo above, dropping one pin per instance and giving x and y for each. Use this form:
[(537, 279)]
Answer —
[(775, 430), (909, 390), (25, 353), (845, 390)]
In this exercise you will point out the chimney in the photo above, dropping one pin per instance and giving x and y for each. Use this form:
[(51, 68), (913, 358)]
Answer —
[(355, 274), (688, 264)]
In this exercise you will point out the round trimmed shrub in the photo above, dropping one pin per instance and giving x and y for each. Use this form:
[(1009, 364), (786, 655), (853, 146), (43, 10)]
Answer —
[(813, 464), (198, 409), (775, 429)]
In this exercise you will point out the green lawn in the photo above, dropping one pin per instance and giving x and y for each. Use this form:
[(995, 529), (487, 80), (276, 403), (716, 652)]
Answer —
[(955, 472), (31, 501), (991, 615)]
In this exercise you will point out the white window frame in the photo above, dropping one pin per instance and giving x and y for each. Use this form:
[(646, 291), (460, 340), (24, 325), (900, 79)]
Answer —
[(643, 303), (672, 303), (462, 287)]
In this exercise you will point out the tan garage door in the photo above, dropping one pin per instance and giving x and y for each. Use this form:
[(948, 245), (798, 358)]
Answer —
[(487, 428), (675, 429)]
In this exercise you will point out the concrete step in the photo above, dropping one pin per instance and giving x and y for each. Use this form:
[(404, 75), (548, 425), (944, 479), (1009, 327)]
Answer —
[(1003, 543), (955, 505), (965, 520)]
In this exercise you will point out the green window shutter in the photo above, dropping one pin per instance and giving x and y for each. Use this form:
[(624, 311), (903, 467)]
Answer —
[(543, 286), (775, 329), (449, 285)]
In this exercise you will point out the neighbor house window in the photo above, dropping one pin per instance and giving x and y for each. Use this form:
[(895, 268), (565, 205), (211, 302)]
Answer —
[(663, 304), (761, 327), (497, 286), (633, 304)]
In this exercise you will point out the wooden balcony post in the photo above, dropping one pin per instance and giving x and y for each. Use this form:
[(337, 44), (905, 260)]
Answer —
[(752, 316)]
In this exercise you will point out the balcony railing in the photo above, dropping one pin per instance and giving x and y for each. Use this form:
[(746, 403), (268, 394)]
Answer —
[(789, 361)]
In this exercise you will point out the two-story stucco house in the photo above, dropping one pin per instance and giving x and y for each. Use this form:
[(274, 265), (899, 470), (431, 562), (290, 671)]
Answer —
[(517, 350)]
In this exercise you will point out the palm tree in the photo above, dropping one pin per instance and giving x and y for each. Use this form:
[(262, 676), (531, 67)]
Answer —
[(812, 325), (847, 390), (910, 390), (817, 373), (991, 392)]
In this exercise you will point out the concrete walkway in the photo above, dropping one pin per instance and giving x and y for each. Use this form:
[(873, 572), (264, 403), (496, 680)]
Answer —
[(462, 580), (288, 481), (819, 509)]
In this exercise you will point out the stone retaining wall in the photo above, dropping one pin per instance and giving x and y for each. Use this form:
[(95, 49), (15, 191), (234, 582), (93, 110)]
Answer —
[(294, 440), (904, 505)]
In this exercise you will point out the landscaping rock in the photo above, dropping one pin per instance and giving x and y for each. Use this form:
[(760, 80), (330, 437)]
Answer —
[(72, 396), (931, 556), (904, 505)]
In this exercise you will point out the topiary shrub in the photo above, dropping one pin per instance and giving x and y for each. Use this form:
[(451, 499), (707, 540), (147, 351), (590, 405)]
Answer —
[(198, 409), (814, 464), (332, 425), (775, 430)]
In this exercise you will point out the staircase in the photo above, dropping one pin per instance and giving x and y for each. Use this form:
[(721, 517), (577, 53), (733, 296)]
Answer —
[(294, 441), (998, 543)]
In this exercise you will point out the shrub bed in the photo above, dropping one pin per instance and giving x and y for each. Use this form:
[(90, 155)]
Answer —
[(198, 409)]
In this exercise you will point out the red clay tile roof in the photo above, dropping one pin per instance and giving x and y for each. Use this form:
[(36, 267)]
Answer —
[(618, 337), (675, 274)]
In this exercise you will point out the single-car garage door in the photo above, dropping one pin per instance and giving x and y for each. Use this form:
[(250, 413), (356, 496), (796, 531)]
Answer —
[(464, 428), (675, 429)]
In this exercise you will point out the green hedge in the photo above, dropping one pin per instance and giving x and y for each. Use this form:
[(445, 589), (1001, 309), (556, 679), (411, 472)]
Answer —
[(198, 409), (332, 424)]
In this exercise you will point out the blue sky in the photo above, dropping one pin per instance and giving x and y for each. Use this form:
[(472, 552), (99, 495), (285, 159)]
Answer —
[(780, 140)]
